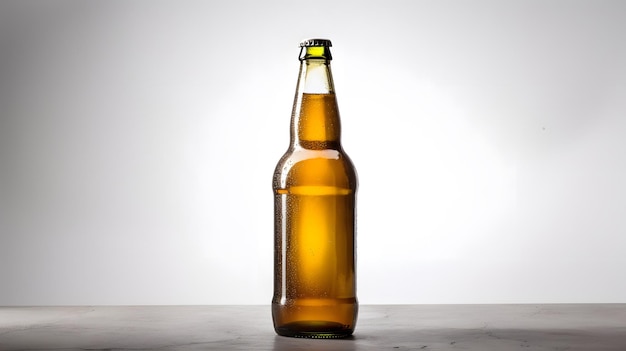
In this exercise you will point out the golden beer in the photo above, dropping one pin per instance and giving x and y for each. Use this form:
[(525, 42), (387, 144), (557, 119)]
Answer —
[(314, 187)]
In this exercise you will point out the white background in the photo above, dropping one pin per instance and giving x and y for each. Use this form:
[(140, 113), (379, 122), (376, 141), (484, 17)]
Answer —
[(138, 141)]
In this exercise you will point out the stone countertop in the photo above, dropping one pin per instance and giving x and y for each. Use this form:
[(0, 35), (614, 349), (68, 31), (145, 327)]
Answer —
[(380, 327)]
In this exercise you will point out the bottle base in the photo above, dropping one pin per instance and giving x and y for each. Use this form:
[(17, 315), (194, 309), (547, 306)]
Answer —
[(314, 330)]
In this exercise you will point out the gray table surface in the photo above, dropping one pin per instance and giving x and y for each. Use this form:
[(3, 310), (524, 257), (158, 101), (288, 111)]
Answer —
[(380, 327)]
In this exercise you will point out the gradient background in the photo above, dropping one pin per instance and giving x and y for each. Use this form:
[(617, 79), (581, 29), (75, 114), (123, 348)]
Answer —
[(138, 140)]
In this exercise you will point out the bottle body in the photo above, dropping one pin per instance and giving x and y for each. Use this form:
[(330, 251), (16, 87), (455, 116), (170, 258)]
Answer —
[(315, 186)]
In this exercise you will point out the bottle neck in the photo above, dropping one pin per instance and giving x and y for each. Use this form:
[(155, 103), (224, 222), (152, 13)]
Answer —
[(315, 122)]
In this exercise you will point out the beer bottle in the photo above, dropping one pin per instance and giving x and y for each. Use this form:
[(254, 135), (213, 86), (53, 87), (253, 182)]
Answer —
[(314, 187)]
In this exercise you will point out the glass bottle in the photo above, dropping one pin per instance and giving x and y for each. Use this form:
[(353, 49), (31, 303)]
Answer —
[(315, 187)]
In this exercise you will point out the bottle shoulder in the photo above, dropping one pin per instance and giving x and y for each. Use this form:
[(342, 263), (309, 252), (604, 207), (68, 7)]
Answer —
[(328, 167)]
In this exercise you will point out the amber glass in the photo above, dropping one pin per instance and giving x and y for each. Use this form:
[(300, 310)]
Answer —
[(314, 186)]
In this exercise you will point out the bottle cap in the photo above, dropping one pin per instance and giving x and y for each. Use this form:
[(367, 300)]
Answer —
[(315, 42)]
